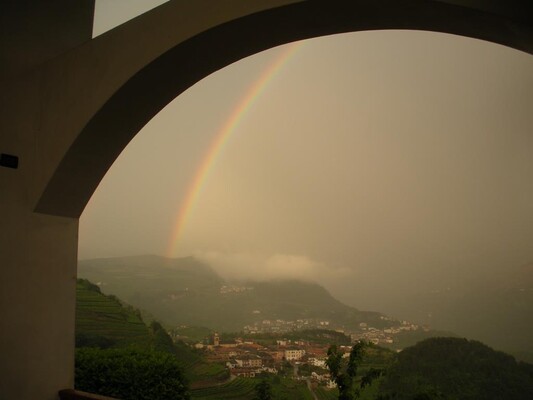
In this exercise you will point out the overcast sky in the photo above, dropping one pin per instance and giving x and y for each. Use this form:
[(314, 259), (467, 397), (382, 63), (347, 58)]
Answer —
[(376, 163)]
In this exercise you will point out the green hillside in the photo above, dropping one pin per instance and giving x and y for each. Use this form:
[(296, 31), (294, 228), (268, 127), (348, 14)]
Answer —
[(452, 368), (240, 388), (102, 321), (244, 389), (291, 300), (185, 291)]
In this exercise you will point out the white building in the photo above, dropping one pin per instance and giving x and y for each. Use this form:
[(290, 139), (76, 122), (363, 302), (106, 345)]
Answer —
[(249, 361), (317, 362), (294, 354), (331, 384)]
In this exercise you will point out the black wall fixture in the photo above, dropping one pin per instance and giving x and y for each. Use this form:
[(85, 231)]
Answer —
[(9, 161)]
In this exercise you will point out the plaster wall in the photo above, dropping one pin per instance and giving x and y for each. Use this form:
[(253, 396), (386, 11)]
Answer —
[(34, 32), (37, 303), (38, 253)]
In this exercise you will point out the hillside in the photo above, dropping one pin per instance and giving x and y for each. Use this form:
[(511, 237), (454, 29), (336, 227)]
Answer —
[(102, 321), (185, 291), (452, 368), (444, 368), (243, 389)]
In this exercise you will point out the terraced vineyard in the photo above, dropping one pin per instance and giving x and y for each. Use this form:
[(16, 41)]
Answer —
[(287, 388), (203, 370), (103, 321), (101, 317), (326, 394), (244, 389), (186, 357), (239, 388)]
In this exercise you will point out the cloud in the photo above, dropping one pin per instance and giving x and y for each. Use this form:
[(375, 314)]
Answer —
[(261, 267)]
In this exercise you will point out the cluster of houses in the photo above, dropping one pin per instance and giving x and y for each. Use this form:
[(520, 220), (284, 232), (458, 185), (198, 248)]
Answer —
[(225, 289), (246, 358), (383, 336), (282, 326)]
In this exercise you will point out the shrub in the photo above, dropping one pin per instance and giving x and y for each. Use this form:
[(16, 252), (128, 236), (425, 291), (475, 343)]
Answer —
[(93, 340), (130, 374)]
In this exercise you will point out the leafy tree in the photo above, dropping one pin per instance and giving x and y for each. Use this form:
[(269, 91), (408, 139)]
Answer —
[(344, 374), (263, 390), (454, 368), (130, 374)]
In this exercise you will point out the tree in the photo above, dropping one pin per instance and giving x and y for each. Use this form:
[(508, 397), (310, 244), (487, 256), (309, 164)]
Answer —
[(263, 390), (343, 374)]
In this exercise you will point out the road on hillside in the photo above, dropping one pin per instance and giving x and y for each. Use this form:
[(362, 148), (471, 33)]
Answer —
[(308, 381)]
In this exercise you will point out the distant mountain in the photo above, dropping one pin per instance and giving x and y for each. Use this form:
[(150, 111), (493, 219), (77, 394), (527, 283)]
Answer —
[(185, 291)]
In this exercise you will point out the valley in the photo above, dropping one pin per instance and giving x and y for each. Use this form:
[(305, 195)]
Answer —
[(185, 292), (227, 337)]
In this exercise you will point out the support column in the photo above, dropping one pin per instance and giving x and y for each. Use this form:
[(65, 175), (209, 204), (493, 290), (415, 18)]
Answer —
[(38, 253), (38, 257), (37, 303)]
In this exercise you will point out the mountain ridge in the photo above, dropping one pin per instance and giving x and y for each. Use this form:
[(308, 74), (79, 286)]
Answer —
[(186, 291)]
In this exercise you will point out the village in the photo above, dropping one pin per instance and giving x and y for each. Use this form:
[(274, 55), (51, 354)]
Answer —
[(365, 332), (300, 359), (247, 358)]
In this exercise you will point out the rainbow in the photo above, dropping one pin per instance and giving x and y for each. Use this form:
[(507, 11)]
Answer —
[(221, 138)]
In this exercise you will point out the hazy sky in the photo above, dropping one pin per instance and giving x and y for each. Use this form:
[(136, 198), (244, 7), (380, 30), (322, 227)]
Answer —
[(376, 163)]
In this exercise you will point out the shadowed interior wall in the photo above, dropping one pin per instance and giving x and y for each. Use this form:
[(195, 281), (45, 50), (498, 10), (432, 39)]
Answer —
[(37, 252)]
